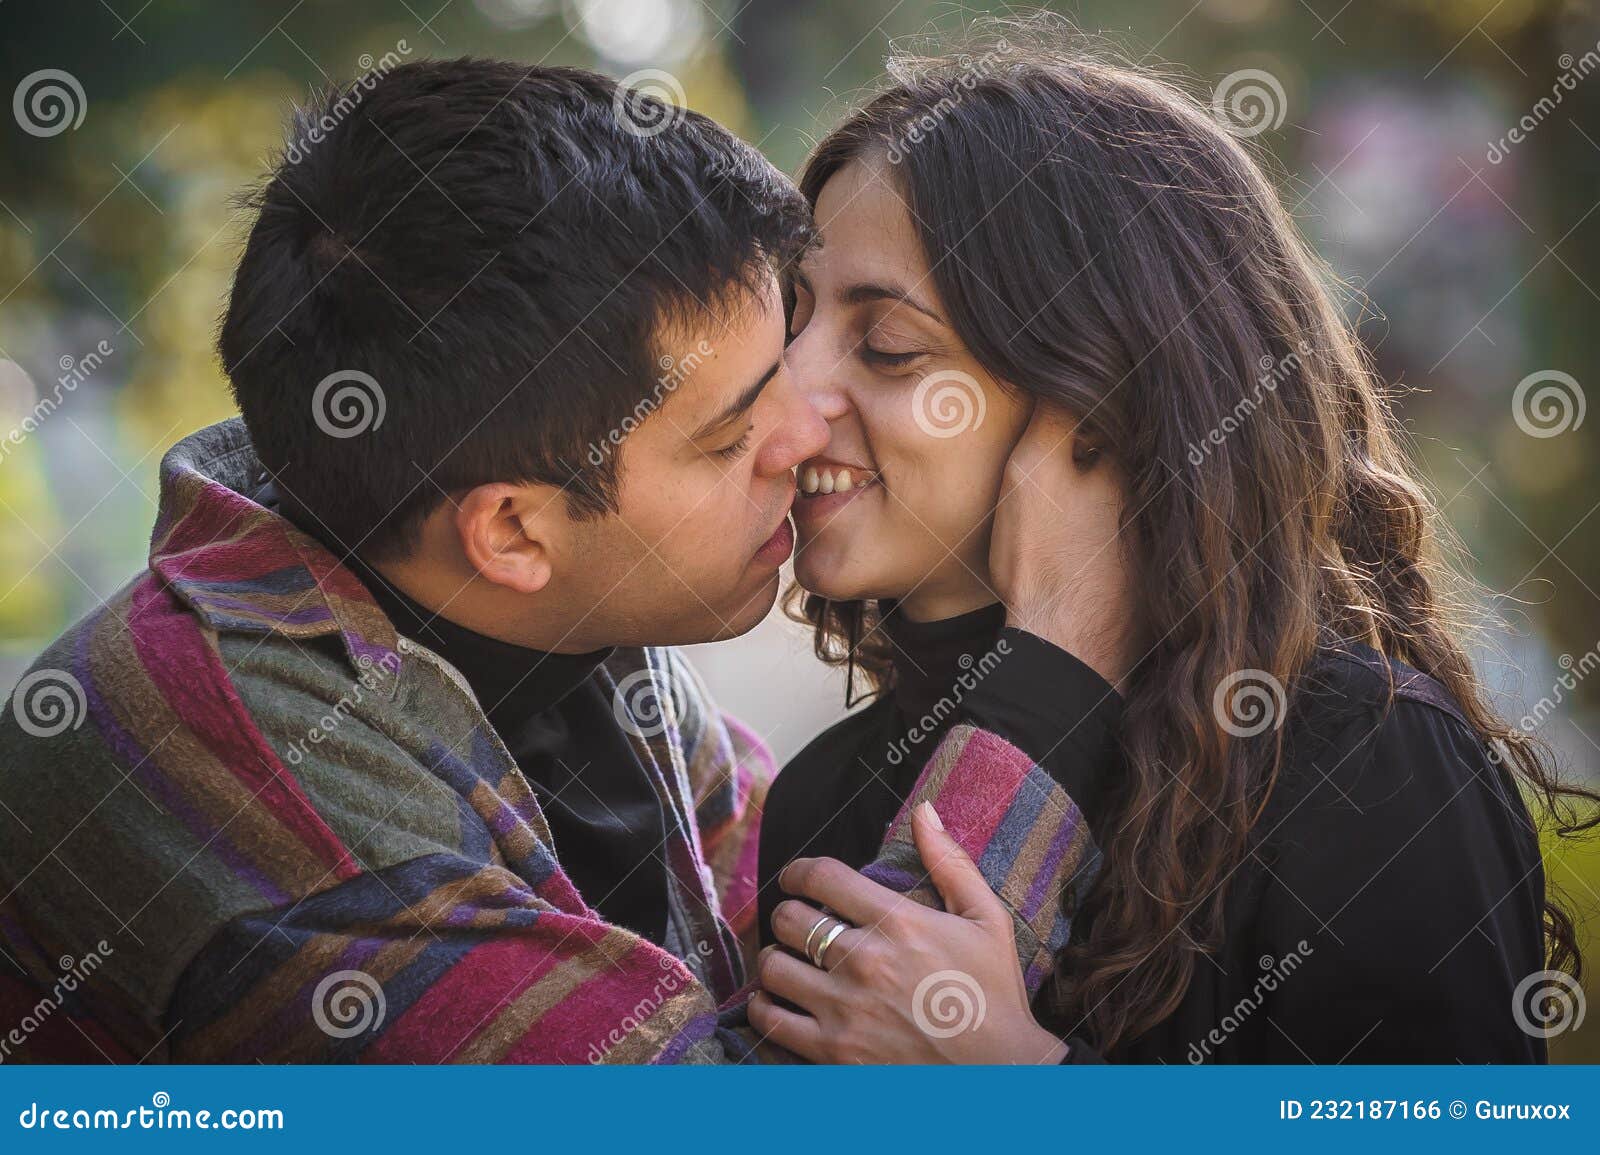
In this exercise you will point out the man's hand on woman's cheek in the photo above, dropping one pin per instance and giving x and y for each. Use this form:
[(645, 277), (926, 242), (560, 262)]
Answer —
[(879, 978), (1057, 555)]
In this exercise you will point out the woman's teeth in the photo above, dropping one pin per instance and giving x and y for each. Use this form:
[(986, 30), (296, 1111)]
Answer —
[(814, 481)]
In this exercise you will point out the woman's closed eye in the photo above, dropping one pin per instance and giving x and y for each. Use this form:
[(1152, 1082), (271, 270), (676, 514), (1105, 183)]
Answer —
[(889, 358), (894, 342)]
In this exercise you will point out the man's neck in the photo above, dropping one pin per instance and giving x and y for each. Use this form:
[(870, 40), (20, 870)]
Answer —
[(466, 600)]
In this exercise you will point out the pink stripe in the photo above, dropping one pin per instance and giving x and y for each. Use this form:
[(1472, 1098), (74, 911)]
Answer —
[(189, 676), (568, 1031), (334, 579), (260, 551), (740, 886), (465, 1000), (979, 789), (207, 518)]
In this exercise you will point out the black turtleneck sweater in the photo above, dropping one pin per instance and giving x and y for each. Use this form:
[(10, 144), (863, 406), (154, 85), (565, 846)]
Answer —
[(558, 725), (1390, 902)]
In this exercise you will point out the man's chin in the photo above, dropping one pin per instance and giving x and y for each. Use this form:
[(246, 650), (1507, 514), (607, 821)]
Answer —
[(752, 611)]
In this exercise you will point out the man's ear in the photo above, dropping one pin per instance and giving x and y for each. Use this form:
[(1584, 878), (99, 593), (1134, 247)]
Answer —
[(505, 532)]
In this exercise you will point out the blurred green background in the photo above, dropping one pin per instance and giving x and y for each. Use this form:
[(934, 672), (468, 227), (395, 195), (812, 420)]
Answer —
[(1475, 258)]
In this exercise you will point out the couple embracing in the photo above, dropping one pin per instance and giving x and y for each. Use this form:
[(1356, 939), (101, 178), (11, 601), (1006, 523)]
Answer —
[(1169, 756)]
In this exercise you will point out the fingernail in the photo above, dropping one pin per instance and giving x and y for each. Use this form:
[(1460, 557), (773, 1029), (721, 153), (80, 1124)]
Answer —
[(932, 815)]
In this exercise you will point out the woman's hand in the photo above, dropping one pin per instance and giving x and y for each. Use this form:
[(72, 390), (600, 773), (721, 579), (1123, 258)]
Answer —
[(1056, 554), (901, 983)]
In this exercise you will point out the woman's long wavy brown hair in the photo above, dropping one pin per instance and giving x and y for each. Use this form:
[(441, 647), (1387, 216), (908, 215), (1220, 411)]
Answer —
[(1102, 242)]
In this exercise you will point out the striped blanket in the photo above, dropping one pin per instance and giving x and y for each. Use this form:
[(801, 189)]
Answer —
[(245, 820)]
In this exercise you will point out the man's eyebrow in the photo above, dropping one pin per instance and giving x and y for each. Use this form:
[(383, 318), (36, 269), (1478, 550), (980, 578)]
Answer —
[(739, 405), (869, 291)]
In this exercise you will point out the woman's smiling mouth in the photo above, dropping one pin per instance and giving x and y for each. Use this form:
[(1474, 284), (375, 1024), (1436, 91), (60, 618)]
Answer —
[(823, 486)]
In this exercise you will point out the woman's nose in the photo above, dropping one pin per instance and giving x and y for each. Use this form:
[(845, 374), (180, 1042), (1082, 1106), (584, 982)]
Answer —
[(815, 376)]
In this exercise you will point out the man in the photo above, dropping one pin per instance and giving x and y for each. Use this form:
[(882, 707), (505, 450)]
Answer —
[(381, 758)]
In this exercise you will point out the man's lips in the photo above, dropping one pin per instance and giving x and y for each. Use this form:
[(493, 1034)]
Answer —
[(776, 549)]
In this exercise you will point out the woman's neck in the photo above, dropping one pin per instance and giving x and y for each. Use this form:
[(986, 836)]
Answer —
[(931, 605)]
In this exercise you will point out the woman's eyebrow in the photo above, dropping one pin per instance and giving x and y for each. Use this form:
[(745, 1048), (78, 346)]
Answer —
[(866, 292)]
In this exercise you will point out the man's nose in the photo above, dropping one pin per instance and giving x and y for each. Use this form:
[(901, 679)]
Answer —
[(802, 431)]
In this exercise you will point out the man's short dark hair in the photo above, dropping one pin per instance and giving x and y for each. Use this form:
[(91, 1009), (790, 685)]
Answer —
[(473, 263)]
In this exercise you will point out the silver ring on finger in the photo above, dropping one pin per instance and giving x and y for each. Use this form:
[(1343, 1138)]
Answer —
[(811, 937), (827, 941)]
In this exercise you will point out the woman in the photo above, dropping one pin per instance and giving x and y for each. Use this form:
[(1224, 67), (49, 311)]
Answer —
[(1313, 840)]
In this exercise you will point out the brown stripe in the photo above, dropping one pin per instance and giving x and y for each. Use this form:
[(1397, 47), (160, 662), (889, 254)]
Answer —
[(651, 1035)]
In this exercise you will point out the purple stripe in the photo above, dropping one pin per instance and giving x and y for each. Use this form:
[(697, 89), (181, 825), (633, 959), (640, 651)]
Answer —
[(697, 1029), (1036, 972), (1066, 833), (382, 656), (890, 876), (307, 616)]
